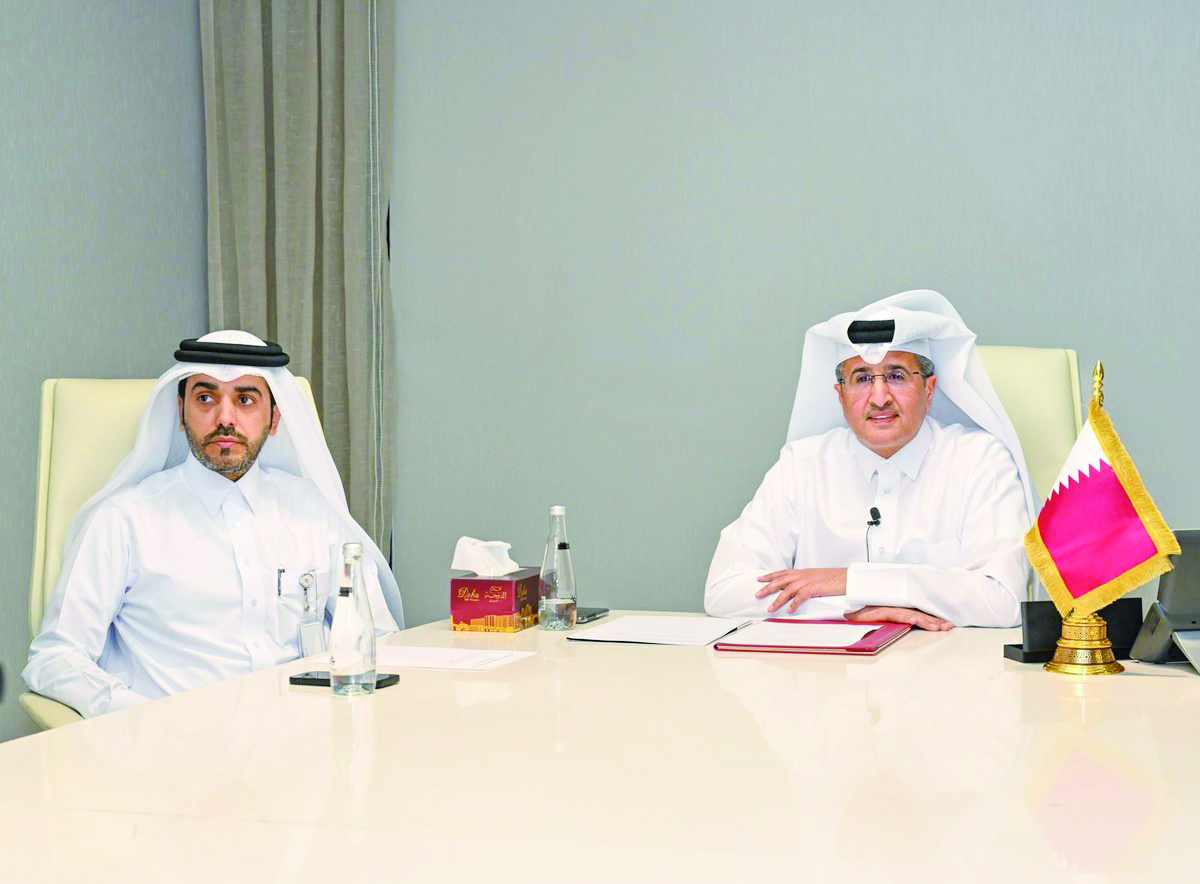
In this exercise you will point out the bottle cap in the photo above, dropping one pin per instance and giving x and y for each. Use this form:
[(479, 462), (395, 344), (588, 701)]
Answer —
[(558, 510), (352, 550)]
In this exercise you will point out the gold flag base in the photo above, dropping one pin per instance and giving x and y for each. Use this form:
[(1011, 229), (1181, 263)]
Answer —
[(1084, 648)]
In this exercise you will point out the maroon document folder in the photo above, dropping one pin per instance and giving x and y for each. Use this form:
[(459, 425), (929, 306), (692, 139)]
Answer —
[(871, 643)]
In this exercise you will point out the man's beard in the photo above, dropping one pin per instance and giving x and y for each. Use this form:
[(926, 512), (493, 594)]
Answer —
[(226, 464)]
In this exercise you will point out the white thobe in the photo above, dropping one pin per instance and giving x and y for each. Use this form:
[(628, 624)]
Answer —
[(949, 543), (185, 579)]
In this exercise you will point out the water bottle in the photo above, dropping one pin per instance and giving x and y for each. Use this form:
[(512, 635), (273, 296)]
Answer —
[(556, 582), (352, 637)]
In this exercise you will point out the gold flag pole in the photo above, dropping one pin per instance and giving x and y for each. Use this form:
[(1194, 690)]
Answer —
[(1084, 648)]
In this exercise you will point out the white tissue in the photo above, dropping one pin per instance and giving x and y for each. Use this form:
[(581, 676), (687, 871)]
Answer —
[(487, 558)]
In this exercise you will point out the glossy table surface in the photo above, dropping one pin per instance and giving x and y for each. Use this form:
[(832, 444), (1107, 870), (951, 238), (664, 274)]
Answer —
[(937, 760)]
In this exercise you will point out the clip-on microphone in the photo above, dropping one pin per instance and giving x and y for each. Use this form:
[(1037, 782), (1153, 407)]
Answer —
[(872, 522)]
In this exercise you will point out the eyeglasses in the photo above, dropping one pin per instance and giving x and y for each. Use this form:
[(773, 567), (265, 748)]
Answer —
[(896, 378)]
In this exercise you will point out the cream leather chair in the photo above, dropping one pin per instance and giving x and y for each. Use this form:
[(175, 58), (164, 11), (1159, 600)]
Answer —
[(1039, 387), (87, 427)]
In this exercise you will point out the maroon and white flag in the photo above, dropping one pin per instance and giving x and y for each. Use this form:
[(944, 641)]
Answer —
[(1099, 534)]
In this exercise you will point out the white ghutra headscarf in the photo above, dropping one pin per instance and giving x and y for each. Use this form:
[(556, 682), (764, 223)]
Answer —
[(922, 322), (298, 447)]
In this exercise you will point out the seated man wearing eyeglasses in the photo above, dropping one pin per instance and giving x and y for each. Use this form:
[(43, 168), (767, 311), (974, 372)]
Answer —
[(902, 495)]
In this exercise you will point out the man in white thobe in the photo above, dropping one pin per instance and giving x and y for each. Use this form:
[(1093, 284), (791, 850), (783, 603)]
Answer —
[(211, 545), (877, 509)]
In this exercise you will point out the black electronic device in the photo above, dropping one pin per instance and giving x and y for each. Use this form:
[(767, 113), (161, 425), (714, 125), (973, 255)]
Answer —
[(587, 615), (1177, 608), (1041, 626), (321, 679)]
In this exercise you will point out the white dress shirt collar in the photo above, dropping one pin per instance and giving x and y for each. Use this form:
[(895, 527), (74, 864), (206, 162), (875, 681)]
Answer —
[(212, 488), (907, 460)]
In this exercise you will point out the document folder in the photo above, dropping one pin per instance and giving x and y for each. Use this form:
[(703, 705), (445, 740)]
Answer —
[(871, 643)]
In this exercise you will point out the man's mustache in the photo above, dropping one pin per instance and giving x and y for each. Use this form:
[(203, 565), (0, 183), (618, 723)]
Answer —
[(227, 432)]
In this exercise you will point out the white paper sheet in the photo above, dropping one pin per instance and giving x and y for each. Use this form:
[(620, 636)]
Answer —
[(389, 657), (660, 630), (799, 634)]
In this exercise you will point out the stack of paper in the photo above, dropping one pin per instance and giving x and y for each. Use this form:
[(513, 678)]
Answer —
[(814, 637), (661, 630), (801, 634)]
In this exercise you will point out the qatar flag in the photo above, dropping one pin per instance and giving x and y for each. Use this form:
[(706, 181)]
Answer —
[(1099, 534)]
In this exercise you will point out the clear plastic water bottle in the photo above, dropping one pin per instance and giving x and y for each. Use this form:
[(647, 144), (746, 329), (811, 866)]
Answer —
[(556, 606), (352, 637)]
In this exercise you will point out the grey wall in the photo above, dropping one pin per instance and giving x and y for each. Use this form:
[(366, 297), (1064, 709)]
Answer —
[(102, 239), (613, 221)]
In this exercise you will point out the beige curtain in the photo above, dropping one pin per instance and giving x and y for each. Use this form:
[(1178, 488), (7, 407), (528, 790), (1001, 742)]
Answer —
[(296, 219)]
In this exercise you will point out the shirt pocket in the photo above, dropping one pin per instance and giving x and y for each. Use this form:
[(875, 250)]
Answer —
[(291, 600), (941, 554)]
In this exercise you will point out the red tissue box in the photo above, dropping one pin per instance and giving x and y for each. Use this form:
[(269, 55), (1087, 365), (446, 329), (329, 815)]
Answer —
[(494, 604)]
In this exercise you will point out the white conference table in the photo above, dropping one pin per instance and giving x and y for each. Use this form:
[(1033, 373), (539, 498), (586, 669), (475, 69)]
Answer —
[(936, 761)]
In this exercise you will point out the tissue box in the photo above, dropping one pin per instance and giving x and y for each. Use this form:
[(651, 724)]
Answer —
[(494, 604)]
